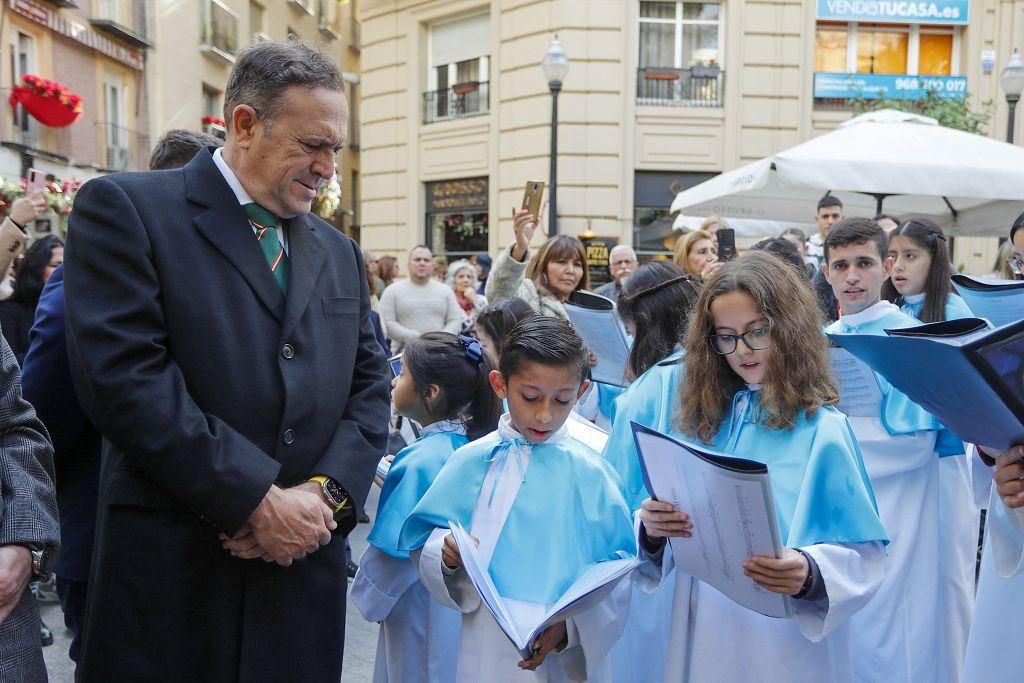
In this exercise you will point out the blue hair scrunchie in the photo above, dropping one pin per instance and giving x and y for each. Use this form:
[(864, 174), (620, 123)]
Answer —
[(472, 348)]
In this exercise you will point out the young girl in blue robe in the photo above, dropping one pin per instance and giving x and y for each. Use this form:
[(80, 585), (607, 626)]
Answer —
[(444, 386), (757, 384), (911, 631), (654, 305), (920, 286), (544, 508)]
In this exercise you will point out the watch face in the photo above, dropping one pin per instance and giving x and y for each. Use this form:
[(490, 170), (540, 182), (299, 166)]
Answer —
[(335, 491)]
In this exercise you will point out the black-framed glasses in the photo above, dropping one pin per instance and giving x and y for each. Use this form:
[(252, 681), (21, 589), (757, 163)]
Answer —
[(1016, 266), (755, 339)]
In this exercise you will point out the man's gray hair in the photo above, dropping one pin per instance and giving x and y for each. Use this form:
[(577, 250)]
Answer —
[(265, 71)]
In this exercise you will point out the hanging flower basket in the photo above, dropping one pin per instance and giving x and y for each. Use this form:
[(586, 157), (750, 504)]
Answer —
[(48, 102)]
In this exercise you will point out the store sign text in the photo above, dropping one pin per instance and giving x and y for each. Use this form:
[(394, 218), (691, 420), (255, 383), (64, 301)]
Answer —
[(899, 11)]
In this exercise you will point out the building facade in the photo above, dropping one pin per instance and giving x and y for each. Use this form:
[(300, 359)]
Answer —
[(97, 49), (660, 96)]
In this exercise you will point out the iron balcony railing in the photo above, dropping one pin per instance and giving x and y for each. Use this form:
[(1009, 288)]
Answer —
[(457, 102), (128, 20), (697, 86)]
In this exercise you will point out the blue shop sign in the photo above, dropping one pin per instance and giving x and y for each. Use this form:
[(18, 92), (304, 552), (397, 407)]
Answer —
[(896, 11), (887, 87)]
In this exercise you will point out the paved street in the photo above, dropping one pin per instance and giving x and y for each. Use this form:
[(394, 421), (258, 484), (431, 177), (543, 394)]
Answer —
[(360, 639)]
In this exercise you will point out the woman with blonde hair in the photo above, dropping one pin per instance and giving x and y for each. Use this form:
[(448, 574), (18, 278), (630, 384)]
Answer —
[(697, 254), (713, 223), (557, 270)]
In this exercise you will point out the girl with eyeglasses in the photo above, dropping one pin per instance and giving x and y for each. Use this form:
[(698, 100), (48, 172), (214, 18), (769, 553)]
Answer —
[(1016, 260), (757, 384)]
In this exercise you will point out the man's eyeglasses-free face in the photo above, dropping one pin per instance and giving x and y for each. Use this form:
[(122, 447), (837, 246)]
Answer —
[(724, 344)]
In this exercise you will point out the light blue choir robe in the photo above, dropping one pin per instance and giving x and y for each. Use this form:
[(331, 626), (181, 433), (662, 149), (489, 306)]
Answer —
[(825, 507), (911, 631), (418, 636), (959, 514), (543, 514), (993, 651), (639, 655)]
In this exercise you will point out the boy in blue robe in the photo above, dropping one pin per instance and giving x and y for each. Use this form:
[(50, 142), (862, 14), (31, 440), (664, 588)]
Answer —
[(544, 508), (906, 633)]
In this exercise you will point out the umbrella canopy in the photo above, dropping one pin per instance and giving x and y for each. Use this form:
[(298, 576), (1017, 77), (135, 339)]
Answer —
[(900, 163)]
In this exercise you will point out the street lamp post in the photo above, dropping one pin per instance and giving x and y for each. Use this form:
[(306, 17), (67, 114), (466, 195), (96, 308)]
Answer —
[(1011, 78), (555, 67)]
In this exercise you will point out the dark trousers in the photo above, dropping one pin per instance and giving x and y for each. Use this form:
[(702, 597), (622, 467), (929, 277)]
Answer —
[(72, 602)]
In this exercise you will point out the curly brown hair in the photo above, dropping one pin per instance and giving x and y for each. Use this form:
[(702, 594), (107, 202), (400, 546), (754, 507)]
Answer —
[(798, 375)]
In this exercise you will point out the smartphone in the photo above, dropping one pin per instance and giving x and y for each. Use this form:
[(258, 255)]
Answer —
[(532, 197), (395, 363), (726, 244), (36, 180)]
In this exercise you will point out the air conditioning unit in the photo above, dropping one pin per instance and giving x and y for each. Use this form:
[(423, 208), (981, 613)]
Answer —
[(118, 158)]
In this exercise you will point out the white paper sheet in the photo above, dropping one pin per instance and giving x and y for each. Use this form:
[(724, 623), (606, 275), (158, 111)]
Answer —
[(859, 393), (585, 431), (732, 513), (587, 591), (605, 337)]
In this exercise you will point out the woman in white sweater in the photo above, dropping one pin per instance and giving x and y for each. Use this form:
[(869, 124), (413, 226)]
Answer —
[(556, 271)]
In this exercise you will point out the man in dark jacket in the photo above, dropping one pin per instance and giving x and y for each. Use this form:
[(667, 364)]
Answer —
[(219, 339)]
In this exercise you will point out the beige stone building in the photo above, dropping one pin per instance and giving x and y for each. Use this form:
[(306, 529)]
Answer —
[(659, 96), (199, 40)]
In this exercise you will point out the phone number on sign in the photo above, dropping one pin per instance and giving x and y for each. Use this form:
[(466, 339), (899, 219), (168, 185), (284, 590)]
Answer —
[(937, 84)]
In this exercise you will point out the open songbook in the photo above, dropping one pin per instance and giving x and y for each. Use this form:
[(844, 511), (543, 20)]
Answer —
[(1001, 302), (859, 392), (597, 321), (729, 501), (586, 592), (965, 373)]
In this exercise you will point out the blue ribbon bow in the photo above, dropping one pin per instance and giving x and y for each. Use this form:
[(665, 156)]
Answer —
[(472, 348)]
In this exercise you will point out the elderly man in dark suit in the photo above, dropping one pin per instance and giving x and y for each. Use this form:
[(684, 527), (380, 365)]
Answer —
[(219, 339), (29, 531)]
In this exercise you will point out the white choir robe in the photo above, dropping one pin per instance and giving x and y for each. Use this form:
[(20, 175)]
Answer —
[(959, 519), (713, 638), (485, 653), (418, 636), (993, 652)]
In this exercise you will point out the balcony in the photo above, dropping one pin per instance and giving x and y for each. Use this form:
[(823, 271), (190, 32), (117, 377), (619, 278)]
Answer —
[(65, 3), (460, 101), (697, 86), (219, 32), (122, 147), (355, 36), (126, 20)]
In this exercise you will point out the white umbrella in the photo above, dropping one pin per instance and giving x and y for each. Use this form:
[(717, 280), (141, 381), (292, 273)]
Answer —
[(896, 162)]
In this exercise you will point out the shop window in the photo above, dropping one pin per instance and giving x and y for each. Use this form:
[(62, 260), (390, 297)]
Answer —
[(882, 51), (830, 47), (457, 217), (935, 57)]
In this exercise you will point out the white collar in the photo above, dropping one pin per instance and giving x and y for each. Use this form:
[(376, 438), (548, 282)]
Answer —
[(870, 314), (446, 426), (240, 194), (508, 432), (914, 298)]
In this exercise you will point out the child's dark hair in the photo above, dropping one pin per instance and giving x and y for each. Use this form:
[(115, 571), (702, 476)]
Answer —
[(498, 319), (856, 231), (657, 299), (545, 340), (784, 249), (459, 368), (926, 234)]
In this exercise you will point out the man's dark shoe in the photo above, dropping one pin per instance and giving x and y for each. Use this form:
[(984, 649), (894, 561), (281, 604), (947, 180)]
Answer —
[(364, 518), (45, 634), (351, 568)]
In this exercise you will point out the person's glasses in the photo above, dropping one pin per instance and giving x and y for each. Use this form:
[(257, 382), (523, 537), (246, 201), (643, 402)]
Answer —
[(1016, 266), (724, 344)]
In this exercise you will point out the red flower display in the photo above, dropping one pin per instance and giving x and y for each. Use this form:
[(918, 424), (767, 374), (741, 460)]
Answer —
[(49, 102), (214, 121)]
